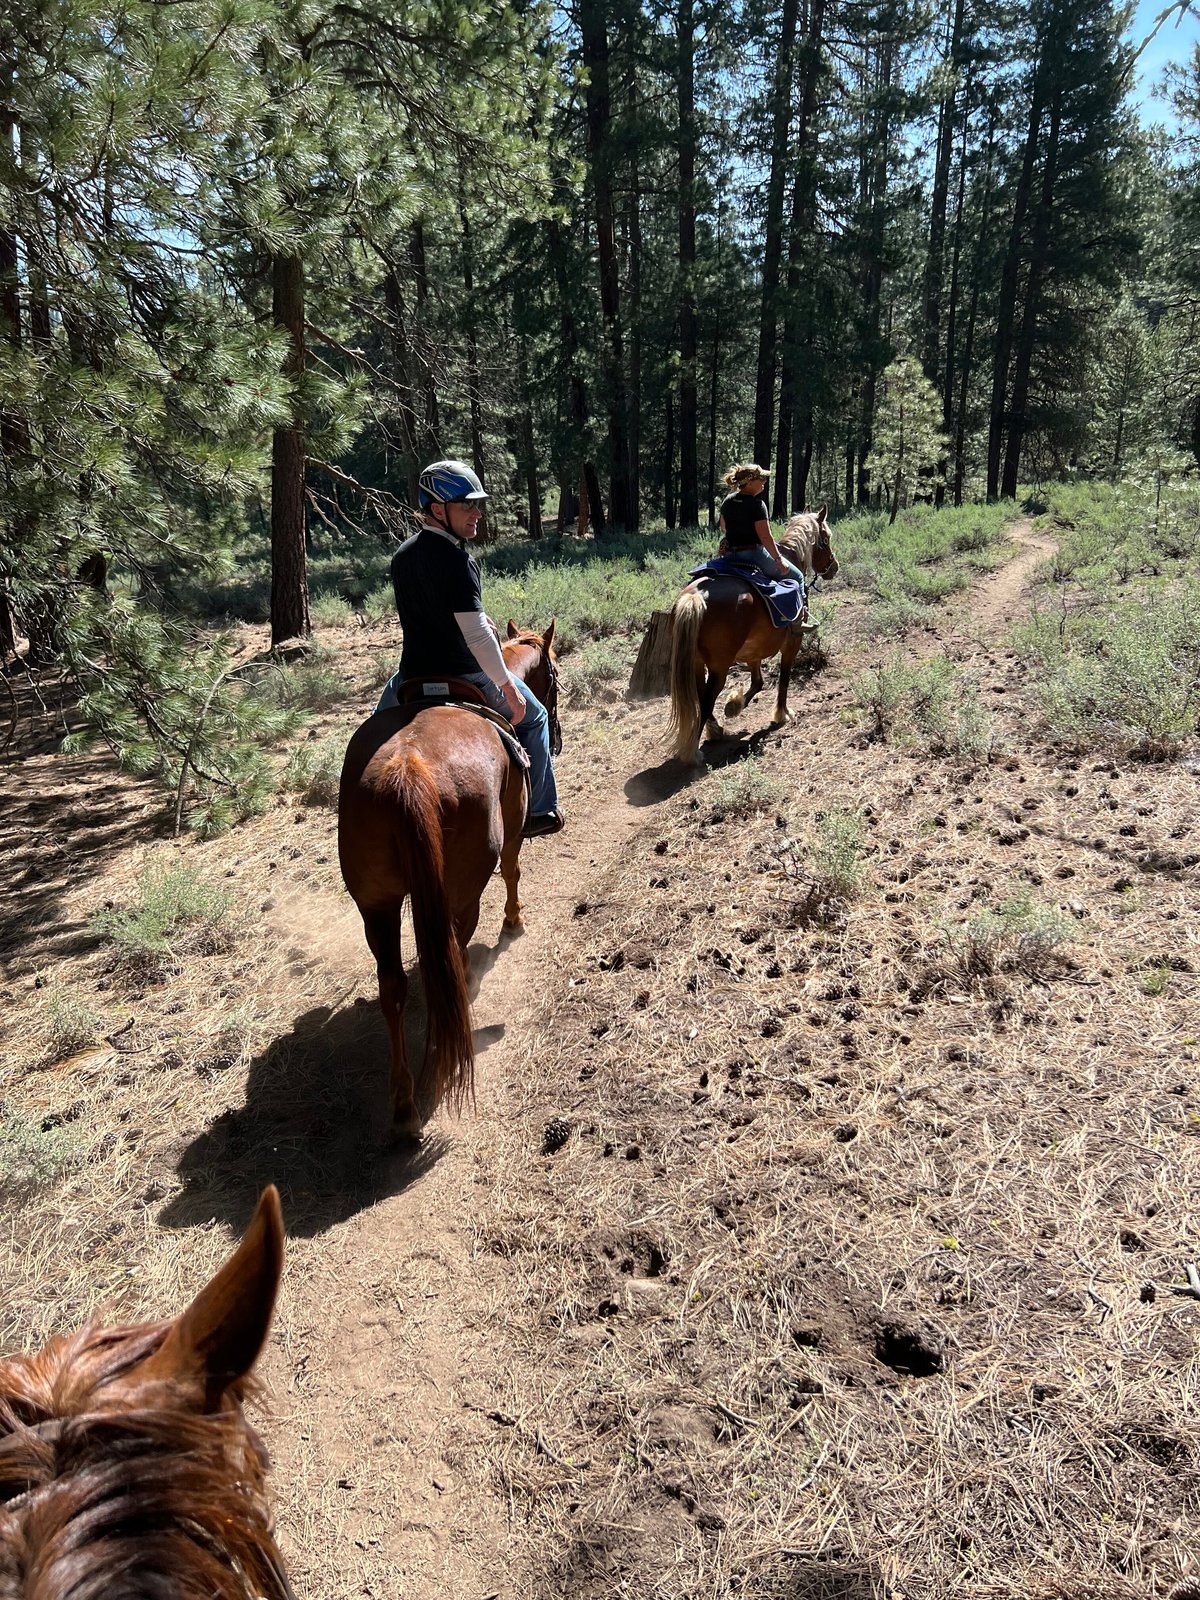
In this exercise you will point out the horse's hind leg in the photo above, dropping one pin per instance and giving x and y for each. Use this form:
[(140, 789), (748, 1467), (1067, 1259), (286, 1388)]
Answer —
[(383, 936), (714, 683)]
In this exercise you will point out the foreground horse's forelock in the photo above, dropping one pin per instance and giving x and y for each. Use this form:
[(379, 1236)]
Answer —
[(127, 1469)]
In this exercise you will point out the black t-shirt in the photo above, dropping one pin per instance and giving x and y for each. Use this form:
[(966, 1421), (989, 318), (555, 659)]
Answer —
[(741, 512), (434, 575)]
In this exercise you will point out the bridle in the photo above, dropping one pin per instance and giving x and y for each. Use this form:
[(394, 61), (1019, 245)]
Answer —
[(552, 701)]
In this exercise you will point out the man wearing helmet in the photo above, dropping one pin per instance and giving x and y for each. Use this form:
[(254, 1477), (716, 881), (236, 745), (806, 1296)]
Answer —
[(446, 631)]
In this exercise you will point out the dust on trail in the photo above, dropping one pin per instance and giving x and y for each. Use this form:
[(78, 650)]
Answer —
[(991, 602), (390, 1361), (389, 1353)]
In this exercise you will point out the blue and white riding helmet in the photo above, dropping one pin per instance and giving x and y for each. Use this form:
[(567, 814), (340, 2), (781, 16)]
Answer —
[(445, 481)]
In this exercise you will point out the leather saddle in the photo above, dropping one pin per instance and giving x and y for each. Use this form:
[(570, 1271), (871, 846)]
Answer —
[(418, 694)]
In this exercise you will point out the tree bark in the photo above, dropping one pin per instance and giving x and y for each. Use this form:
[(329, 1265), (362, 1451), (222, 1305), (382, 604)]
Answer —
[(768, 319), (289, 563), (964, 389), (1009, 278), (1043, 221), (689, 467), (594, 32), (478, 454), (533, 493), (934, 259)]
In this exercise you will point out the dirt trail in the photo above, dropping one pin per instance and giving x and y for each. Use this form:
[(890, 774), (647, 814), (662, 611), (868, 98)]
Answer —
[(991, 603), (390, 1353), (390, 1368)]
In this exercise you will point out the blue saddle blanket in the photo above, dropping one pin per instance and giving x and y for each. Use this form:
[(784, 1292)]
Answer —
[(784, 596)]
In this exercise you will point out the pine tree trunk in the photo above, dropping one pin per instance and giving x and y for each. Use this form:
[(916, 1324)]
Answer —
[(800, 230), (877, 179), (594, 32), (595, 498), (934, 262), (533, 493), (289, 564), (669, 513), (402, 375), (1042, 224), (689, 466), (429, 429), (1009, 277), (964, 389), (478, 455), (952, 315), (768, 320), (633, 407)]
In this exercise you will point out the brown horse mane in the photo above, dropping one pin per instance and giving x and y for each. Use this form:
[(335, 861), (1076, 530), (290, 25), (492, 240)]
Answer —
[(114, 1489)]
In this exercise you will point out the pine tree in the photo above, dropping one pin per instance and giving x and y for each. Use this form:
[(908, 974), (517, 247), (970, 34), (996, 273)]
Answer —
[(908, 440)]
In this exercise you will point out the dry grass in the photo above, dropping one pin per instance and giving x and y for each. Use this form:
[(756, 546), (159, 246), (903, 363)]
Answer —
[(852, 1272), (846, 1282)]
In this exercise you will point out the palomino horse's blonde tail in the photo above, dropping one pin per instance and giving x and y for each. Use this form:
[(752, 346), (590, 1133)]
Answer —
[(686, 617), (450, 1047)]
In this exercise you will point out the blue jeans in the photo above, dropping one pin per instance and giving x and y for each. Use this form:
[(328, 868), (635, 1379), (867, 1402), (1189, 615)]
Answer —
[(760, 557), (533, 731)]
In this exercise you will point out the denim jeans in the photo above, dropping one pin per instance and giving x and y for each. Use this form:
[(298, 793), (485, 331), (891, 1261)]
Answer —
[(533, 731), (760, 557)]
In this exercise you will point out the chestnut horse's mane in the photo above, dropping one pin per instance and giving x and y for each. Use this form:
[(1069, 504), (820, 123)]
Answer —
[(124, 1493)]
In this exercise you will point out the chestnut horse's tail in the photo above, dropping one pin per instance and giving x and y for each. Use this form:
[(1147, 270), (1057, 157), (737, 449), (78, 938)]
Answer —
[(686, 616), (450, 1047)]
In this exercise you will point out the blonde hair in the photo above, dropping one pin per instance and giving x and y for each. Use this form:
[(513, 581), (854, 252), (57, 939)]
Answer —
[(743, 473)]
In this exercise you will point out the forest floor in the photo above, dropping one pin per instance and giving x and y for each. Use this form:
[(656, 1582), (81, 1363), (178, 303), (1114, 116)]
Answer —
[(799, 1245)]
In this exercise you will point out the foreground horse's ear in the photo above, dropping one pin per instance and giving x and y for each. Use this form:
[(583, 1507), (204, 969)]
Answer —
[(822, 513), (513, 630), (548, 636), (220, 1336)]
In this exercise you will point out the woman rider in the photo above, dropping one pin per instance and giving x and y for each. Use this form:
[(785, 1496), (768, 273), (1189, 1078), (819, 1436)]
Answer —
[(746, 524)]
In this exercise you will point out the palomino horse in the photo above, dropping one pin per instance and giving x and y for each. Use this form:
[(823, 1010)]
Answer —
[(126, 1465), (719, 620), (429, 805)]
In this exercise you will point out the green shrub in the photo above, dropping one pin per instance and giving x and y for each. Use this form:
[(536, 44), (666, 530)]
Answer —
[(1126, 675), (33, 1155), (314, 770), (1018, 936), (596, 669), (743, 788), (176, 911), (313, 684), (907, 701), (835, 862), (331, 611), (70, 1024)]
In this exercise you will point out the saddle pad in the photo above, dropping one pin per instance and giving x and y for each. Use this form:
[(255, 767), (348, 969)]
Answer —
[(783, 597)]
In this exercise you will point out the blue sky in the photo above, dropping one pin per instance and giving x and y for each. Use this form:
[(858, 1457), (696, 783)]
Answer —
[(1173, 43)]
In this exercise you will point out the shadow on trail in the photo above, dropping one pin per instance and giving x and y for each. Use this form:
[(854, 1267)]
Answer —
[(653, 785), (314, 1123)]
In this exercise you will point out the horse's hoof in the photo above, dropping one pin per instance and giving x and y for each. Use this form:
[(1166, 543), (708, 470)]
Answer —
[(514, 924), (734, 707), (407, 1128)]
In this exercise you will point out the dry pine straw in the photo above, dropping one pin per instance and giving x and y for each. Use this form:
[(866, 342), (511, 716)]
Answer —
[(788, 1183)]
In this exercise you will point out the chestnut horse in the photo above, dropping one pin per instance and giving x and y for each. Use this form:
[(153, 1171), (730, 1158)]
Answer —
[(429, 805), (126, 1465), (719, 620)]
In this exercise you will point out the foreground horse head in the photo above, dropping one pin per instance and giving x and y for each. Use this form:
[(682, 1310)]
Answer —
[(530, 656), (806, 541), (127, 1469), (429, 806)]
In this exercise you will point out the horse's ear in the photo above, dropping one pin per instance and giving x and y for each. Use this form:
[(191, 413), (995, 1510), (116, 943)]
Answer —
[(220, 1336), (822, 513), (513, 630), (548, 636)]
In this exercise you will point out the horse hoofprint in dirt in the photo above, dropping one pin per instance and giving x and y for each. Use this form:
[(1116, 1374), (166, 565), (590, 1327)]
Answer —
[(719, 620)]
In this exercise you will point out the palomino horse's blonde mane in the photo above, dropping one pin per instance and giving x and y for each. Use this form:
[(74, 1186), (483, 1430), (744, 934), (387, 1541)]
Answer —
[(799, 541)]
